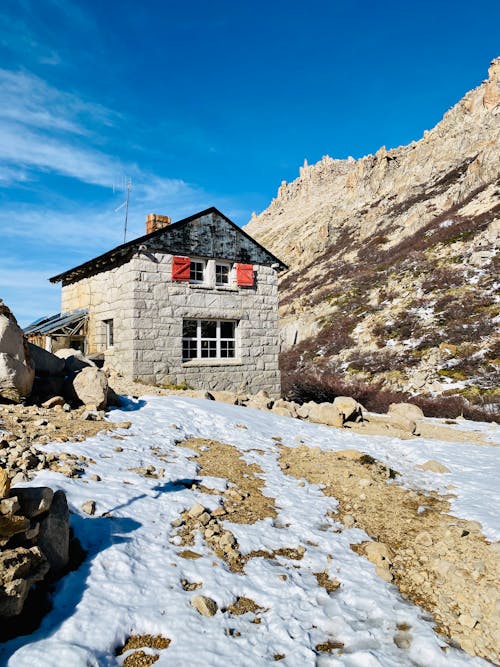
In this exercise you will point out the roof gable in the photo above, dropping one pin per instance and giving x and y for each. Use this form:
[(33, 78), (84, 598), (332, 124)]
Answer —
[(208, 233)]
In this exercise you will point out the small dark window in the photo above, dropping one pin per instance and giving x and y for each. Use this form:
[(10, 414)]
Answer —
[(197, 272), (222, 272)]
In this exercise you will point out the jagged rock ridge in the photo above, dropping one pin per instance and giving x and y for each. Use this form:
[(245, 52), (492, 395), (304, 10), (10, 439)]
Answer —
[(393, 258)]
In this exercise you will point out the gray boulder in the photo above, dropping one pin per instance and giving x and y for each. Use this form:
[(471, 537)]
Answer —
[(74, 360), (16, 369), (46, 364), (53, 538), (91, 387)]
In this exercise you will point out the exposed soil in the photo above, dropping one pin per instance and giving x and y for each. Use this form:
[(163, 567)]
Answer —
[(140, 658), (439, 562)]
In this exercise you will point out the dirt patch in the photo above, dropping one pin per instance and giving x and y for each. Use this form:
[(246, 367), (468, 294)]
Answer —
[(442, 563), (323, 579), (329, 646), (244, 605), (140, 658), (244, 502), (32, 424)]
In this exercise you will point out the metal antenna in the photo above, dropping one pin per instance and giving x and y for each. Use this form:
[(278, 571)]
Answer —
[(125, 203)]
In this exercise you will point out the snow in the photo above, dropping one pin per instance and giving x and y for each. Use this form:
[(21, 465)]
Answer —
[(130, 581)]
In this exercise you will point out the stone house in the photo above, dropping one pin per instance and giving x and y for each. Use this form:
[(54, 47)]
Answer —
[(193, 302)]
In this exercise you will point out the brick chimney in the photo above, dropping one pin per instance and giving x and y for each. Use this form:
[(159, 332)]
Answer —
[(155, 221)]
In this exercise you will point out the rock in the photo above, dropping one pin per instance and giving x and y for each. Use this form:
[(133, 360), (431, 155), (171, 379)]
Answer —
[(303, 410), (348, 520), (16, 368), (424, 538), (74, 360), (380, 555), (325, 413), (53, 539), (114, 399), (283, 412), (196, 510), (205, 606), (433, 466), (4, 483), (19, 569), (350, 409), (261, 401), (89, 507), (12, 525), (406, 410), (46, 364), (91, 387), (402, 423), (9, 506), (208, 396), (34, 500), (54, 402)]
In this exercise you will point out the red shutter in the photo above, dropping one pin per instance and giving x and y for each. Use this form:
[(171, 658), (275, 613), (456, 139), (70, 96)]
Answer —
[(244, 275), (181, 267)]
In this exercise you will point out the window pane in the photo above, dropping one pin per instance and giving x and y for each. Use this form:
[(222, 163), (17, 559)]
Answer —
[(189, 329), (226, 349), (208, 349), (208, 329), (189, 349), (227, 329), (221, 274), (196, 271)]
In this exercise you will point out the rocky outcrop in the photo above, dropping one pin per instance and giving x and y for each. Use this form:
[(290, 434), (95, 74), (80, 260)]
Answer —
[(393, 258), (34, 542), (16, 369)]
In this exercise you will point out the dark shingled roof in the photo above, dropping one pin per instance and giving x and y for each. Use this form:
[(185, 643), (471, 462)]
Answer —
[(125, 250)]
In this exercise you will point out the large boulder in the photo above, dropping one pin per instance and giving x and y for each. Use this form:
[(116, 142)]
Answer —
[(405, 410), (53, 538), (350, 409), (46, 364), (74, 360), (91, 387), (19, 569), (325, 413), (16, 369)]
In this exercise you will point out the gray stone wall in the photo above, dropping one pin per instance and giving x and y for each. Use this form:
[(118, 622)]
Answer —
[(161, 305), (148, 309)]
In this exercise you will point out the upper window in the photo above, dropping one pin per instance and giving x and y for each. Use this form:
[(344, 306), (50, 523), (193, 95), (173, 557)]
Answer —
[(208, 339), (197, 271), (222, 274)]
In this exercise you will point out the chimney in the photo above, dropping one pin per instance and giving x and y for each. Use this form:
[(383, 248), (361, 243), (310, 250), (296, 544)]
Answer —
[(155, 221)]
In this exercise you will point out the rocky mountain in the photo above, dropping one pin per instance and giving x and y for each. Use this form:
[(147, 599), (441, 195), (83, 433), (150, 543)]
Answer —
[(393, 260)]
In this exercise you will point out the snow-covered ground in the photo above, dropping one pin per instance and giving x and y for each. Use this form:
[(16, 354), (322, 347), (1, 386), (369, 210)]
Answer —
[(130, 581)]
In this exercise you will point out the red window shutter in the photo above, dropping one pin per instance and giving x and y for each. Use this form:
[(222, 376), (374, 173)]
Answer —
[(244, 275), (181, 267)]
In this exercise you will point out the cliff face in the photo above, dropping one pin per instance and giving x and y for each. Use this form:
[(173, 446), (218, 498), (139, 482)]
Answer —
[(393, 257)]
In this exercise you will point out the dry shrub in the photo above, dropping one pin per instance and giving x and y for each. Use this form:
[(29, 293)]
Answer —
[(302, 388)]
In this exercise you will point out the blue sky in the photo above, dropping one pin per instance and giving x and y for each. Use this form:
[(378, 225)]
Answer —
[(200, 104)]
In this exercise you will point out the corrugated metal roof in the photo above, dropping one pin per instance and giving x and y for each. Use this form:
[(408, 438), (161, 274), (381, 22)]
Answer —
[(52, 323)]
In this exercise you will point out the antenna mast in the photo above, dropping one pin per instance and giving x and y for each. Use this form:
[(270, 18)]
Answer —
[(129, 187)]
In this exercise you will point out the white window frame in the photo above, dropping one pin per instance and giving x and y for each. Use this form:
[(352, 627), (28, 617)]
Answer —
[(203, 263), (218, 340), (110, 333), (230, 277)]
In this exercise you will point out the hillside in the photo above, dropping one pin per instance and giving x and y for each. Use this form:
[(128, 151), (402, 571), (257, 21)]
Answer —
[(393, 260)]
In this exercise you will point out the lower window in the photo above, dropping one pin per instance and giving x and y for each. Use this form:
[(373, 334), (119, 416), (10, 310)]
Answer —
[(208, 339)]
